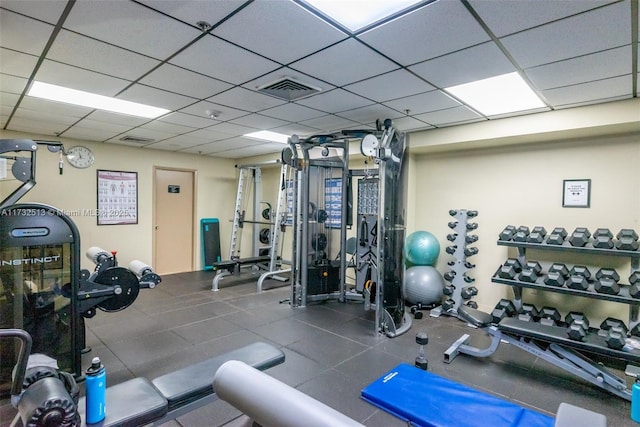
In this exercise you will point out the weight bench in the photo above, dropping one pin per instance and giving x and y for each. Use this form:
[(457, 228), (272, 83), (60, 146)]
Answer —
[(232, 266), (139, 401), (549, 343)]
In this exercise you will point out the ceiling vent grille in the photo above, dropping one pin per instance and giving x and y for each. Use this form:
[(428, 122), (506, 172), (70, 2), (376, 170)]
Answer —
[(288, 89), (136, 139)]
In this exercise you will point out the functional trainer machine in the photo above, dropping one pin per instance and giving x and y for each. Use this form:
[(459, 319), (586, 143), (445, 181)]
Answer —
[(322, 191)]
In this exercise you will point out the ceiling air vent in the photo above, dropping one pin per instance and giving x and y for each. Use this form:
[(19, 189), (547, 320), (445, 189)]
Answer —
[(136, 139), (288, 89)]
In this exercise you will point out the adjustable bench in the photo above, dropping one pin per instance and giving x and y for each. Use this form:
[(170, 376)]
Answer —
[(547, 342), (139, 401), (232, 266)]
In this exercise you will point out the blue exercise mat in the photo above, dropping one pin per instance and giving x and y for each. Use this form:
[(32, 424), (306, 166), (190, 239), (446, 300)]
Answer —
[(428, 400)]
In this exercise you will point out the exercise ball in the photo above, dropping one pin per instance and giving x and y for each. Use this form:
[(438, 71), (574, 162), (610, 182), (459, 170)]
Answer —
[(423, 284), (421, 248)]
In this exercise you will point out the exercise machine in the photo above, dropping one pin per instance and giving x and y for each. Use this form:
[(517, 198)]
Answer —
[(43, 289), (267, 229), (322, 193), (44, 396), (547, 342)]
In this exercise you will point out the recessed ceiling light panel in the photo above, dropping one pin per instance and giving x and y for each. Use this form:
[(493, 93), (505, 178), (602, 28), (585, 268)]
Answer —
[(92, 100), (502, 94), (357, 14), (266, 135)]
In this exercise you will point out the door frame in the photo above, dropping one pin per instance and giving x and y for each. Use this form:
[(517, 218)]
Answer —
[(194, 230)]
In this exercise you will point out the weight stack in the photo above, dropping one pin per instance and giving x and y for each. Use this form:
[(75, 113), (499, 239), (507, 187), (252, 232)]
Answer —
[(459, 287)]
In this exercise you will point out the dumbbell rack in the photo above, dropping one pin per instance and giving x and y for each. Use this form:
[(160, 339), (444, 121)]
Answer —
[(588, 249), (460, 288)]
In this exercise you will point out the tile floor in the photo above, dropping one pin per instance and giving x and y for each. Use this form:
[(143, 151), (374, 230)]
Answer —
[(331, 350)]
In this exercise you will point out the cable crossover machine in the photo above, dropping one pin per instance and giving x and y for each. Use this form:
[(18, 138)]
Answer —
[(323, 208)]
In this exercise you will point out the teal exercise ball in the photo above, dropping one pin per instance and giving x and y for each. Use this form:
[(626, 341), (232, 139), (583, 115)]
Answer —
[(422, 284), (421, 248)]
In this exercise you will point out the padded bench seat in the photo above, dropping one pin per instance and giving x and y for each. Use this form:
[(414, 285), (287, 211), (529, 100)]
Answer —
[(138, 401), (231, 264), (196, 381), (592, 343)]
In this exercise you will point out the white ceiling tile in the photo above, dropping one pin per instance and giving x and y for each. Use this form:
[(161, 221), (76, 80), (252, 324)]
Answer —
[(223, 112), (258, 121), (178, 142), (433, 30), (506, 17), (194, 11), (108, 117), (23, 34), (335, 101), (185, 82), (231, 129), (393, 85), (44, 10), (8, 99), (217, 58), (592, 31), (187, 120), (131, 26), (209, 134), (113, 128), (423, 103), (295, 129), (94, 55), (155, 97), (467, 65), (273, 24), (406, 124), (12, 84), (205, 149), (78, 78), (246, 99), (34, 126), (168, 128), (370, 113), (344, 63), (292, 112), (147, 133), (17, 63), (330, 123), (449, 116), (589, 92), (610, 63), (254, 150), (50, 116), (95, 131)]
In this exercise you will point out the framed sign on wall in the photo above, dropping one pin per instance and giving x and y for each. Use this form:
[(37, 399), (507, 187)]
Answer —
[(576, 193), (117, 197)]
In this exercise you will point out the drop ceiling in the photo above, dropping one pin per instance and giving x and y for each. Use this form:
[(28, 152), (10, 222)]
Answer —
[(159, 52)]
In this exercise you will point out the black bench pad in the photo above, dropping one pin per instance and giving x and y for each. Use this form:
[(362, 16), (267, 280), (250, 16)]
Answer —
[(593, 343), (196, 381), (132, 403), (475, 317), (231, 264)]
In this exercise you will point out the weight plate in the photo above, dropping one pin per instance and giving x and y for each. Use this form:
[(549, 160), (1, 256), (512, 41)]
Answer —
[(129, 285)]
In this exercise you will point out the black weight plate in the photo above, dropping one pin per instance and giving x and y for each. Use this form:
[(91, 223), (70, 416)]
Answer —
[(128, 283)]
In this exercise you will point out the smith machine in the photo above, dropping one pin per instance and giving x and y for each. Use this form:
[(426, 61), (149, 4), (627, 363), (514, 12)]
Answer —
[(323, 211)]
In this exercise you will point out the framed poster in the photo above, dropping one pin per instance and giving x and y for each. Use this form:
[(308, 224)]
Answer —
[(117, 197), (333, 202), (576, 193)]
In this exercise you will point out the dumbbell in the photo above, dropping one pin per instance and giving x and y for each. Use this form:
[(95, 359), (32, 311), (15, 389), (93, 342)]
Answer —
[(449, 304), (579, 237), (614, 331), (530, 272), (449, 276), (537, 234), (508, 233), (634, 281), (471, 238), (451, 249), (521, 234), (549, 316), (470, 251), (578, 282), (472, 214), (510, 269), (557, 236), (627, 240), (452, 237), (557, 275), (503, 309), (607, 281), (422, 339), (603, 238), (448, 290), (468, 292), (453, 212), (559, 268), (580, 270), (529, 313), (472, 225), (472, 304), (578, 325), (453, 224), (468, 279)]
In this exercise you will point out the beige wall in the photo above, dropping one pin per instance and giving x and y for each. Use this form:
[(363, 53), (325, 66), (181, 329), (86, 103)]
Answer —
[(216, 183), (522, 185)]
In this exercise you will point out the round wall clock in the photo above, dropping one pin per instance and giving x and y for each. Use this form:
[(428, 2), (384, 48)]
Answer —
[(80, 157)]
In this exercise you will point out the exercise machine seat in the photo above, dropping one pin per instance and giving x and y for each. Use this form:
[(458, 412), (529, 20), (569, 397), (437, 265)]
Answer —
[(196, 381), (475, 317), (132, 403)]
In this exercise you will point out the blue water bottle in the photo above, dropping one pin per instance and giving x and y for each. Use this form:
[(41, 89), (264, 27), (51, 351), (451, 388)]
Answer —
[(95, 390), (634, 372)]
